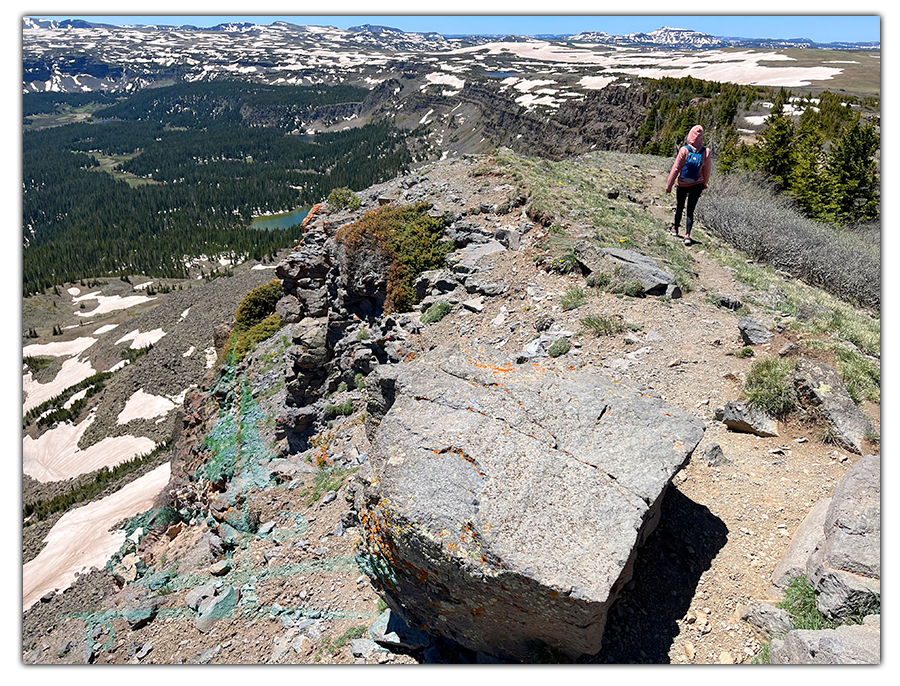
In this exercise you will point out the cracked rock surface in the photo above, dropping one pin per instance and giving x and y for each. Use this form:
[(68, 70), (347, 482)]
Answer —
[(517, 492)]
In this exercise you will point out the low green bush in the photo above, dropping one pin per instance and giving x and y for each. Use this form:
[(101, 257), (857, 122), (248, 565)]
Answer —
[(343, 199), (602, 325), (559, 347), (436, 312)]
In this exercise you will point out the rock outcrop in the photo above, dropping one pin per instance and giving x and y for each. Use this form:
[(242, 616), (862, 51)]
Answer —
[(845, 569), (505, 503), (846, 645), (626, 265), (838, 548), (820, 387)]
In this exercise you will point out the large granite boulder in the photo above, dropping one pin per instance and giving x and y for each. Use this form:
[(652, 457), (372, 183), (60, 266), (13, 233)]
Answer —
[(846, 569), (503, 505), (820, 386)]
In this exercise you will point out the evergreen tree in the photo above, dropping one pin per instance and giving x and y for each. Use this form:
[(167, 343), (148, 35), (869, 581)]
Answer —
[(773, 153), (805, 179), (851, 174)]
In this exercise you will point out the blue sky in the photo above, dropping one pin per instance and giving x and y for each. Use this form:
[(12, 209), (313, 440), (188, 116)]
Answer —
[(820, 28)]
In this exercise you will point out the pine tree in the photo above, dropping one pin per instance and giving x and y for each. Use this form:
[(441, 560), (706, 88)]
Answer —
[(805, 178), (773, 153), (851, 174)]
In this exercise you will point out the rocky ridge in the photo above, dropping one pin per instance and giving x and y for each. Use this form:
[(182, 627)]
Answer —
[(290, 590)]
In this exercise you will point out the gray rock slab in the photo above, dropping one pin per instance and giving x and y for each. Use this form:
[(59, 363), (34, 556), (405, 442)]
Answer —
[(626, 264), (850, 644), (631, 264), (740, 417), (471, 255), (752, 332), (769, 619), (809, 536), (510, 500), (820, 386)]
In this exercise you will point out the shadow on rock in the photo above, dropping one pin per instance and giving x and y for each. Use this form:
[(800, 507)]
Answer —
[(642, 624)]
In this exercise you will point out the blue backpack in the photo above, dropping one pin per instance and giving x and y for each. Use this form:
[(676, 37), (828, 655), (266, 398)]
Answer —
[(690, 172)]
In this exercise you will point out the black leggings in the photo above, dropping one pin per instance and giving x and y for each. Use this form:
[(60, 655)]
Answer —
[(692, 195)]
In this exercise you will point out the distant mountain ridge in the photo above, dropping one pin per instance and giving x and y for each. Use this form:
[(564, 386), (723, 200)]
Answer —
[(664, 37)]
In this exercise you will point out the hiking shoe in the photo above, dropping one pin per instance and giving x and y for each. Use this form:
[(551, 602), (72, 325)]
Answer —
[(687, 240), (673, 230)]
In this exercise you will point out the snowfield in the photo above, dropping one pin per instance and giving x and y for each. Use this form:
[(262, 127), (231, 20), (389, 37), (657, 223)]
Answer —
[(141, 340), (109, 303), (81, 538), (55, 455)]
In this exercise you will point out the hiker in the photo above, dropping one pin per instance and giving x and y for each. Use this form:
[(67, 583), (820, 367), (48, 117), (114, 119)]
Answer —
[(690, 175)]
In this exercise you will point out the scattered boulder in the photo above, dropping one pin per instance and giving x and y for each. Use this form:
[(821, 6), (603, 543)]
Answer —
[(740, 417), (627, 264), (216, 607), (510, 501), (729, 302), (809, 536), (819, 386), (752, 332), (771, 620), (714, 456)]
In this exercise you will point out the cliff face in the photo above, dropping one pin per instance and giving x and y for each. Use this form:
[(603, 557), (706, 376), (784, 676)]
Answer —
[(607, 119)]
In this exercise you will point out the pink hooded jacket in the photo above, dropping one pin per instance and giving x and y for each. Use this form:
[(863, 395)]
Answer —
[(695, 140)]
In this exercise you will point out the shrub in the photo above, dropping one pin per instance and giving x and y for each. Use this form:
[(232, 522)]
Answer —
[(405, 239), (436, 312), (345, 408), (604, 326), (244, 341), (572, 299), (258, 304), (630, 287), (768, 386), (770, 228), (565, 263), (560, 347), (598, 280), (343, 198)]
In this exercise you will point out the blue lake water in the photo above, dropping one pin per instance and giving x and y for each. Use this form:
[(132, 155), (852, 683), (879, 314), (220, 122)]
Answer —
[(280, 221), (499, 74)]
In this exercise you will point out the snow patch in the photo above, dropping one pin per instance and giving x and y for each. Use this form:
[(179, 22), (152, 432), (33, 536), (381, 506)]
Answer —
[(59, 348), (110, 303), (55, 455), (141, 340), (81, 538)]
